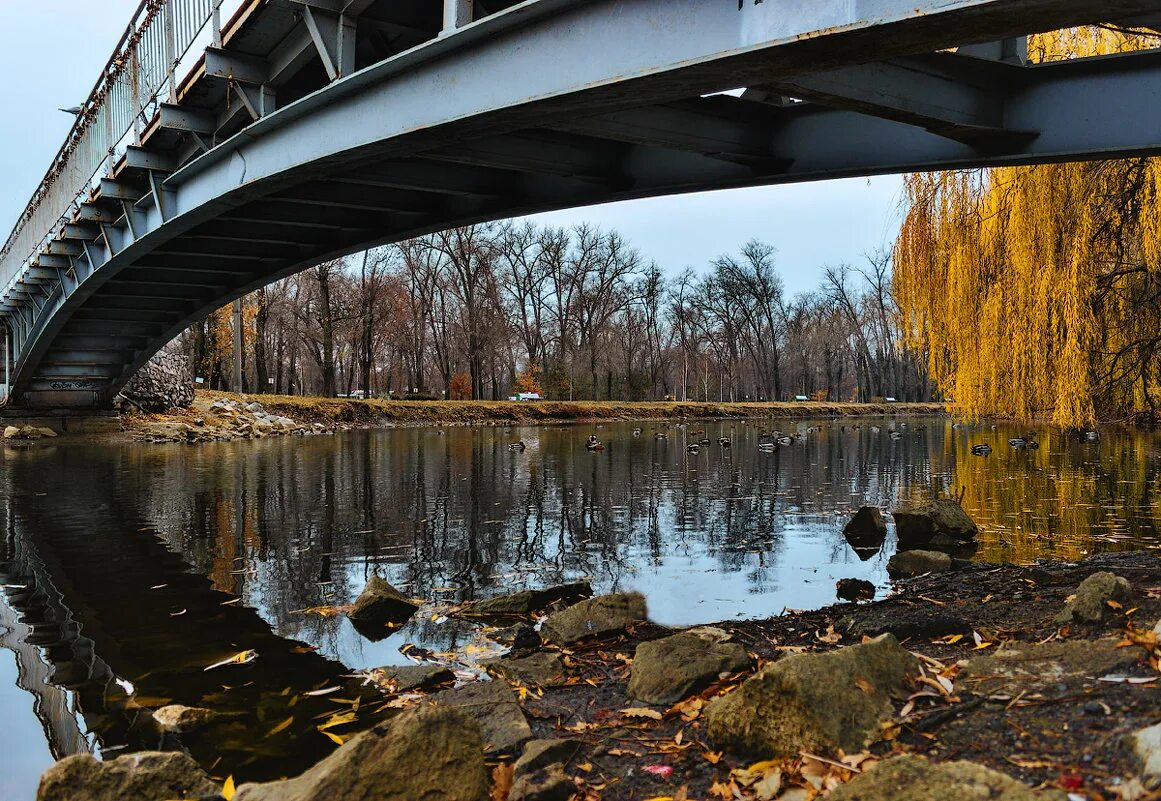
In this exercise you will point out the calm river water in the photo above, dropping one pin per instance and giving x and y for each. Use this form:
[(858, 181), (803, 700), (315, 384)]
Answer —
[(127, 570)]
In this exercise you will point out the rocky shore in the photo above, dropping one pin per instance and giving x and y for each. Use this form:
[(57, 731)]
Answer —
[(970, 681)]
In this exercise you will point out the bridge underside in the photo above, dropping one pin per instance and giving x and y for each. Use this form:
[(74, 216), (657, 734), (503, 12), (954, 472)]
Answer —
[(284, 149)]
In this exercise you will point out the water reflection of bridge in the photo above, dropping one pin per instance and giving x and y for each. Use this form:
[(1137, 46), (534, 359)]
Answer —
[(107, 623)]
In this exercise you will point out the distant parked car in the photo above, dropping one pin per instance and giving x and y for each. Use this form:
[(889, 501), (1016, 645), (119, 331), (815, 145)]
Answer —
[(528, 396)]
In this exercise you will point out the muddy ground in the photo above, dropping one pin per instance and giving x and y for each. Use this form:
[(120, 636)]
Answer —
[(1052, 731)]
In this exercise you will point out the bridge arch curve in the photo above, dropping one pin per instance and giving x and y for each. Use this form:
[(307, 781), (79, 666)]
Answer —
[(547, 104)]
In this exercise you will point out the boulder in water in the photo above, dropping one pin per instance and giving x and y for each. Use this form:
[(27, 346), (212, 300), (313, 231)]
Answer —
[(939, 524), (866, 531), (380, 607)]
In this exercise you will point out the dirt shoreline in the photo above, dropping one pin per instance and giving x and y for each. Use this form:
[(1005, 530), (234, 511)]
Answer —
[(315, 415), (1055, 732)]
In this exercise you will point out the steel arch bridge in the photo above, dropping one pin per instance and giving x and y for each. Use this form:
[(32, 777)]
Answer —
[(214, 157)]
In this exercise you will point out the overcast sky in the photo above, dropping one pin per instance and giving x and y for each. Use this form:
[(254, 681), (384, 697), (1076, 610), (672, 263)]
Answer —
[(52, 50)]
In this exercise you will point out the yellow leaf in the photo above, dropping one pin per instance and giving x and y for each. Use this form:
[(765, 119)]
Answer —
[(228, 789), (641, 712), (763, 766), (240, 658), (281, 726), (338, 720), (334, 737)]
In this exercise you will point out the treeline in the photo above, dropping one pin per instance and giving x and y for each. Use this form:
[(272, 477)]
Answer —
[(490, 310)]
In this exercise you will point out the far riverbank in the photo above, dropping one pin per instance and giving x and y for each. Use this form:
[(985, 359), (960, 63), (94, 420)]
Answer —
[(332, 413)]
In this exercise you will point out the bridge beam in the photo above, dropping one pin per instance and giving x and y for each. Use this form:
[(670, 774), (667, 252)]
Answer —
[(940, 92)]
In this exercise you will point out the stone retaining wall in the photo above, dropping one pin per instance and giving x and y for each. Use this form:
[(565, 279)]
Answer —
[(165, 382)]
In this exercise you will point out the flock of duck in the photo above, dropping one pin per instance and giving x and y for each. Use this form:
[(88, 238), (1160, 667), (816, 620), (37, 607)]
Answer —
[(1028, 441), (768, 442)]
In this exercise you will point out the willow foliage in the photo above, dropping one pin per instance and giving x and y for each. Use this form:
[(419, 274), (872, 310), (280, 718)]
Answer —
[(1037, 290)]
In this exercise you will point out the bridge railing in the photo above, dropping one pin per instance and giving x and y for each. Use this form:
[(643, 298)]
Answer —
[(141, 73)]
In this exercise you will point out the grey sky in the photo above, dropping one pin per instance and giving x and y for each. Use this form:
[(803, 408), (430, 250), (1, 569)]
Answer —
[(52, 50)]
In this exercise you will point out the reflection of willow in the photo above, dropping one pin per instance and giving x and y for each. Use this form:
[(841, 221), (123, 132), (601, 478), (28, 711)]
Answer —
[(1067, 498)]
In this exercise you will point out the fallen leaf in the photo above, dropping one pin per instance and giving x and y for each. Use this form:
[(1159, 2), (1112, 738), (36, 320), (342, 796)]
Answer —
[(228, 789), (281, 726), (502, 781), (641, 712), (336, 737), (240, 658), (831, 637), (723, 791), (340, 719), (1128, 679), (766, 789), (661, 771)]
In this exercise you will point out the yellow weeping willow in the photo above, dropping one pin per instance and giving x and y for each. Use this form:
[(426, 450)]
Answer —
[(1036, 291)]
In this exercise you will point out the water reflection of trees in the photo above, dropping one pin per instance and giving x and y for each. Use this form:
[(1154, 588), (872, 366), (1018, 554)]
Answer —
[(312, 519)]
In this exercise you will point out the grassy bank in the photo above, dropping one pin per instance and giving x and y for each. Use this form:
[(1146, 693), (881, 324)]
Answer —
[(372, 412)]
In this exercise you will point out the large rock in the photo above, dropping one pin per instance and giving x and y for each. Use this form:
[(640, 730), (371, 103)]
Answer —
[(408, 678), (146, 776), (494, 706), (164, 382), (1058, 668), (429, 752), (941, 523), (519, 604), (912, 778), (915, 563), (542, 668), (550, 783), (665, 671), (813, 702), (539, 754), (379, 607), (1091, 602), (905, 622), (598, 617), (866, 531), (180, 719)]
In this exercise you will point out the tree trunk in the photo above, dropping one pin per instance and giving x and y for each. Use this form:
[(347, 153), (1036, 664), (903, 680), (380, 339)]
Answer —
[(261, 369)]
